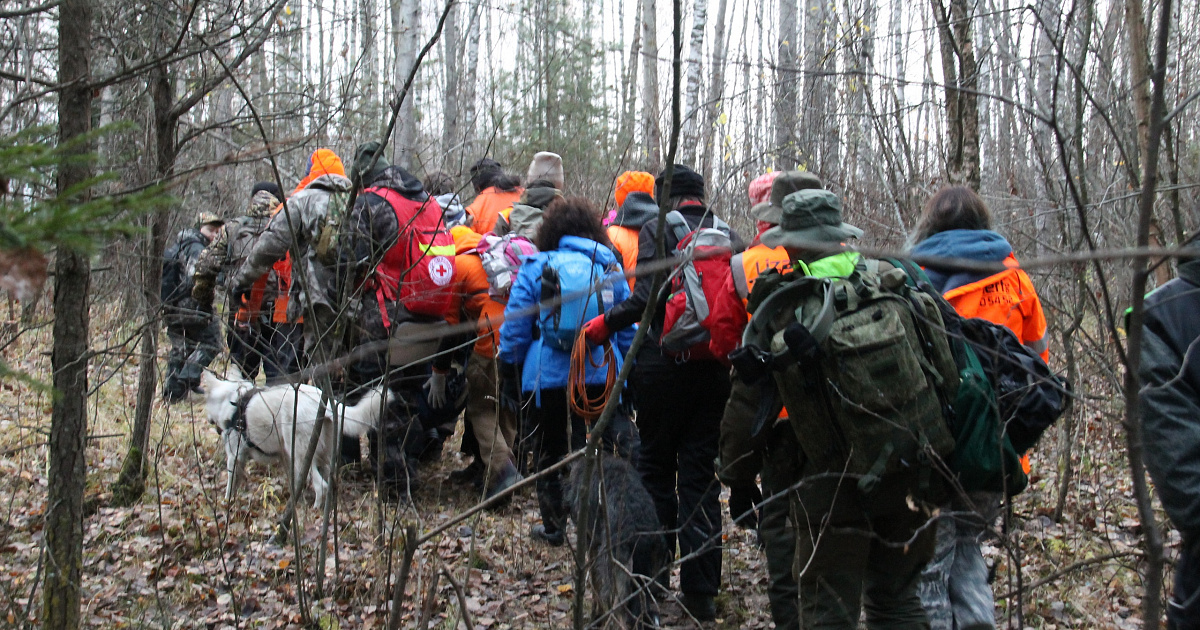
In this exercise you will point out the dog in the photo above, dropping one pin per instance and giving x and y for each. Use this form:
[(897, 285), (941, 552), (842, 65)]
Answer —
[(274, 424), (627, 550)]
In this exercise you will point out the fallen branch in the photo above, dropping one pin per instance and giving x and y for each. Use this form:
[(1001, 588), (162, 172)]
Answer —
[(1069, 568)]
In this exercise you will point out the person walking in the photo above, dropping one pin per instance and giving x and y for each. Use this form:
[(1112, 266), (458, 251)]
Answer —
[(956, 224), (575, 260), (193, 331), (679, 404)]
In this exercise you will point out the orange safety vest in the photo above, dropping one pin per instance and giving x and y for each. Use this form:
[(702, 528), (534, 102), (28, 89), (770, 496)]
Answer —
[(750, 264), (1009, 299), (625, 239), (1006, 298)]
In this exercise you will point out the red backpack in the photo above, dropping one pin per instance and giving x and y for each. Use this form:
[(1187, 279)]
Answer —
[(694, 307), (418, 270)]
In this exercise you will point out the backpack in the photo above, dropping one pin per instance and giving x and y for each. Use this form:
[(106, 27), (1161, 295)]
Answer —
[(868, 360), (241, 233), (418, 270), (502, 257), (586, 291), (693, 301), (175, 289), (1023, 398), (332, 227)]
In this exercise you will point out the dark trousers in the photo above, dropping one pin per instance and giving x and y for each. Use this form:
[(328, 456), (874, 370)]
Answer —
[(556, 432), (252, 347), (193, 347), (286, 343), (780, 471), (679, 416), (1183, 609)]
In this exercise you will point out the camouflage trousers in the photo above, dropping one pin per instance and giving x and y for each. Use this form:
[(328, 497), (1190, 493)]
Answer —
[(954, 586)]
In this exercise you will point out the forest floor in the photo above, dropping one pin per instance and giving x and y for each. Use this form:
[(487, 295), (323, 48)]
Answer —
[(184, 558)]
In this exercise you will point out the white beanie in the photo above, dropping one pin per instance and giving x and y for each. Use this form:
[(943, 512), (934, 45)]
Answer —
[(547, 166)]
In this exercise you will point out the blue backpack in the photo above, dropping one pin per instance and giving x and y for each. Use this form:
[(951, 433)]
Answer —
[(586, 290)]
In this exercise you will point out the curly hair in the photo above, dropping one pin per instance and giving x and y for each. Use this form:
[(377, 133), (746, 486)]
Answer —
[(570, 216), (952, 208)]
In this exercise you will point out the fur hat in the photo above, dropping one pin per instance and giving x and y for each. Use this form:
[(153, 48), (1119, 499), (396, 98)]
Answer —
[(484, 172), (684, 183), (810, 216), (548, 167)]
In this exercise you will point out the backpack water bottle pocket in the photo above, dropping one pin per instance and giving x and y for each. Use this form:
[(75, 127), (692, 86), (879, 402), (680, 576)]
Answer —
[(878, 367)]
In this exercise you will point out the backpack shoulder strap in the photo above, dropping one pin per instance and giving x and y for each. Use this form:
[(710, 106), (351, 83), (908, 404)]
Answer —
[(678, 224), (738, 269)]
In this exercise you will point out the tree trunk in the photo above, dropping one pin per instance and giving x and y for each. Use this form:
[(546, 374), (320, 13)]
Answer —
[(451, 133), (786, 97), (961, 76), (63, 529), (691, 111), (716, 91), (130, 484), (652, 154), (406, 16)]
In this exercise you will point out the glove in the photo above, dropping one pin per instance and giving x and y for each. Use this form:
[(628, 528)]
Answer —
[(596, 330), (510, 387), (436, 386)]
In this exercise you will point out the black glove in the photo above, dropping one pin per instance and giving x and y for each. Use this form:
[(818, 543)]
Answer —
[(510, 386), (800, 342), (742, 499), (241, 296)]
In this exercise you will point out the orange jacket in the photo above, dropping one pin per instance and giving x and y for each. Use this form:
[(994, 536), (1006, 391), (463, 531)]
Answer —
[(626, 241), (471, 299), (487, 205), (321, 162), (755, 261), (1006, 298)]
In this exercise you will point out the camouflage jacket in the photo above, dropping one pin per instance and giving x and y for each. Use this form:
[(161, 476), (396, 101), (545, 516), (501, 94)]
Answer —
[(229, 249)]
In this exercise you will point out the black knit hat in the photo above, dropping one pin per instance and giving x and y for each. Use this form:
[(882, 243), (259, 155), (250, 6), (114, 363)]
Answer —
[(685, 183), (270, 187), (484, 172)]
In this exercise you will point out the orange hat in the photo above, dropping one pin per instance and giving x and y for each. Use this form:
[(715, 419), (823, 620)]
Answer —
[(321, 162), (633, 181)]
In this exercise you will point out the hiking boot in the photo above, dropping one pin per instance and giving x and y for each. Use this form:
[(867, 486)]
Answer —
[(552, 538), (473, 471), (702, 607), (508, 477)]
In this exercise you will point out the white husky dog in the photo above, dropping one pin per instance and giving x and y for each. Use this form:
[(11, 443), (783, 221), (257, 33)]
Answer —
[(259, 423)]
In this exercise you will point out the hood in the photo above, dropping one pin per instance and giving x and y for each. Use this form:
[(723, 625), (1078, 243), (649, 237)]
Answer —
[(525, 220), (191, 234), (465, 239), (330, 181), (637, 210), (588, 247), (401, 181), (977, 245), (540, 196), (453, 212), (321, 162), (262, 204)]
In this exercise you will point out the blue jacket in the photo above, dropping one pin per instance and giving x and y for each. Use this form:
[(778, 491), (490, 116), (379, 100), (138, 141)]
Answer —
[(544, 367), (978, 245)]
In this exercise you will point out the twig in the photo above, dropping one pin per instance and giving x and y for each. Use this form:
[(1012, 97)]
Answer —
[(430, 598), (1068, 569), (462, 598), (410, 549)]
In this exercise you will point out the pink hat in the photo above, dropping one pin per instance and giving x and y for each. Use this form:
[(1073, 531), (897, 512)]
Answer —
[(760, 187)]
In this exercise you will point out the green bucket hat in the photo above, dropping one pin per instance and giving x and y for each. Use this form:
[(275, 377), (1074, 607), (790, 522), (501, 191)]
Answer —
[(784, 185), (810, 216)]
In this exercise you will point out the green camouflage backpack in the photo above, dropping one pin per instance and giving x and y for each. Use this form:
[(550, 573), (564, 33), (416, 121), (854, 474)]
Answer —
[(864, 367), (332, 227)]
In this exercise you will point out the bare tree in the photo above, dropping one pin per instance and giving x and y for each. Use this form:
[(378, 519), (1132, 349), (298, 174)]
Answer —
[(69, 355)]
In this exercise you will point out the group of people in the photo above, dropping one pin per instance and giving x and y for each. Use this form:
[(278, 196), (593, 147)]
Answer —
[(509, 283)]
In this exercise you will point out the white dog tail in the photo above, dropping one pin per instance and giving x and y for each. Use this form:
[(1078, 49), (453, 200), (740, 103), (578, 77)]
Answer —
[(365, 415)]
